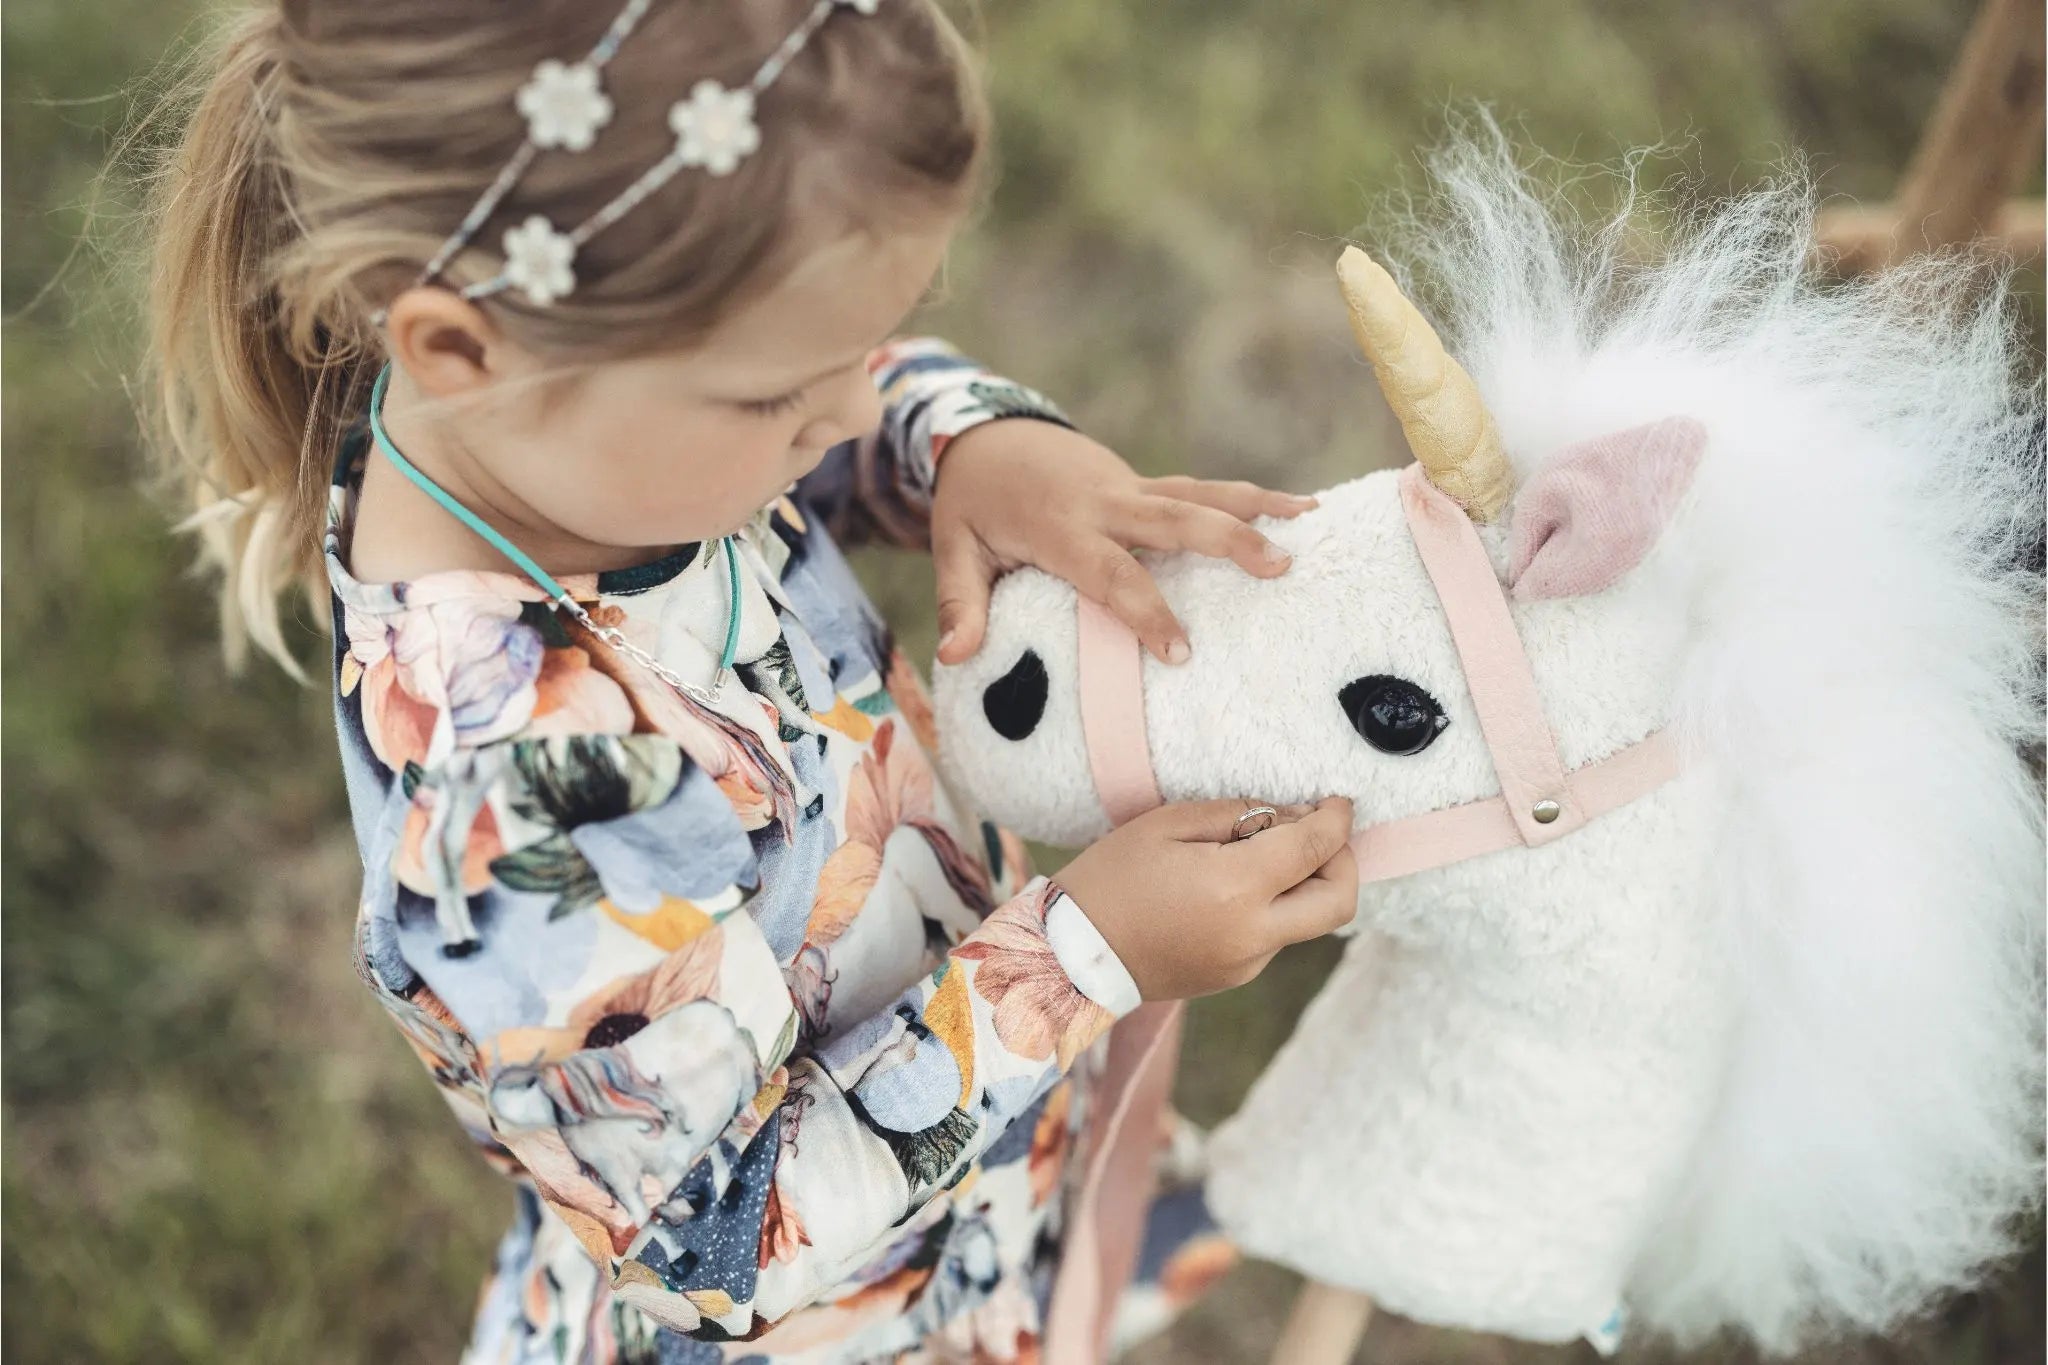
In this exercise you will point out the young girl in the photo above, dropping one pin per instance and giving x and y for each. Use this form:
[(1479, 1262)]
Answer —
[(582, 308)]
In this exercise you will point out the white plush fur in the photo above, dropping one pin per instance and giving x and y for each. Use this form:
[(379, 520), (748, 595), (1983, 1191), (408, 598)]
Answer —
[(1762, 1050)]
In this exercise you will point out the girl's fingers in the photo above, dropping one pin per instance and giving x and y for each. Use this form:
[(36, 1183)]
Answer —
[(1213, 821), (1245, 501), (1162, 523), (1288, 854), (965, 578), (1322, 904), (1200, 822), (1116, 579)]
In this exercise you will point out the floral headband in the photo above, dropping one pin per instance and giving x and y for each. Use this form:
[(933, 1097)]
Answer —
[(564, 106)]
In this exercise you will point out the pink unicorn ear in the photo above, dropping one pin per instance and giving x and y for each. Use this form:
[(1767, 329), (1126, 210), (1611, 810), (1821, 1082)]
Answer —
[(1592, 513)]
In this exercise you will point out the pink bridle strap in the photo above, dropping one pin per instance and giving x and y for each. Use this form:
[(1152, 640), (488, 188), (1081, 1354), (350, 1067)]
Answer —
[(1110, 665), (1534, 783), (1107, 1217), (1497, 675), (1108, 1212), (1438, 838)]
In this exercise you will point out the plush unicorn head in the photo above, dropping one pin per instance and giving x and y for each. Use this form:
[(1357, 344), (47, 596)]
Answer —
[(1680, 688)]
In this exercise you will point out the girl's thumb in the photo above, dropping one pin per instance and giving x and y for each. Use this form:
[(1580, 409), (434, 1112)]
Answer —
[(964, 579)]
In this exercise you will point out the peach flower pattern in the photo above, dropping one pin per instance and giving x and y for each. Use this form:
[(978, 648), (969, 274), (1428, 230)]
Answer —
[(1040, 1012)]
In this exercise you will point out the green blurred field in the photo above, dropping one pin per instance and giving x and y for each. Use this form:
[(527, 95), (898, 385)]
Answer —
[(215, 1149)]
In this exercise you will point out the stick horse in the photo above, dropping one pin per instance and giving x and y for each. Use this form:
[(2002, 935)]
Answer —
[(1683, 686)]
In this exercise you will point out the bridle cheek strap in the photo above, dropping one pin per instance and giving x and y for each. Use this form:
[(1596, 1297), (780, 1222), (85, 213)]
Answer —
[(1110, 677), (1539, 799)]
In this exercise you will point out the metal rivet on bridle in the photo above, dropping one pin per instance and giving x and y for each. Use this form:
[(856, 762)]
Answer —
[(1545, 811)]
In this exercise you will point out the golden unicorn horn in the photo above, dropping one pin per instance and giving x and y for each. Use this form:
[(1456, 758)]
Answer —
[(1447, 425)]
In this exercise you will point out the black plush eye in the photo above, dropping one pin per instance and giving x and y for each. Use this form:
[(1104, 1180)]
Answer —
[(1015, 702), (1392, 714)]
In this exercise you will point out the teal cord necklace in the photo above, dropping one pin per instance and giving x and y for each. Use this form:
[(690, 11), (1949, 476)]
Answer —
[(559, 595)]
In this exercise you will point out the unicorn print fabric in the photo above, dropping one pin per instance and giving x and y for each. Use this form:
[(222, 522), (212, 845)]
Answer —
[(1747, 1032), (785, 1049)]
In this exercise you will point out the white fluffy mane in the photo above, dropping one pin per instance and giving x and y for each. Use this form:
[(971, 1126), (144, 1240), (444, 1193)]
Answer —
[(1862, 676)]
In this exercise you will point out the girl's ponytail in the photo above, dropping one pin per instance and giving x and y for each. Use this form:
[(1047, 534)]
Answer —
[(248, 385)]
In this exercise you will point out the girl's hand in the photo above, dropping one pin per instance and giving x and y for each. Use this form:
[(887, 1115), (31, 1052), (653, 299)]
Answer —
[(1190, 912), (1019, 492)]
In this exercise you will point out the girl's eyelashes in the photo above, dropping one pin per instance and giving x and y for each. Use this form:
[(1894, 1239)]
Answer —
[(771, 407)]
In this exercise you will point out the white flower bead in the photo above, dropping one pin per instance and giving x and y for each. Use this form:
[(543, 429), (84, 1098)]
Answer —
[(861, 6), (714, 127), (538, 260), (563, 105)]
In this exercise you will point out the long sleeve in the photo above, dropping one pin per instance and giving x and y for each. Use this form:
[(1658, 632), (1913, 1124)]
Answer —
[(880, 487), (570, 948)]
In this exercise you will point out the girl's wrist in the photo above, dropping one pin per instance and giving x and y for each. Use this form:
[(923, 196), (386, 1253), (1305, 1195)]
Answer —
[(1090, 963), (996, 424)]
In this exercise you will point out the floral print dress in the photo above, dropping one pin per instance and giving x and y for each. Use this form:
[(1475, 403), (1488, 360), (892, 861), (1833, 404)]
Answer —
[(784, 1049)]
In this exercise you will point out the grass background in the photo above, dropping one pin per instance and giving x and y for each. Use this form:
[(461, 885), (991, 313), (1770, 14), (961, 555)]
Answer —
[(215, 1148)]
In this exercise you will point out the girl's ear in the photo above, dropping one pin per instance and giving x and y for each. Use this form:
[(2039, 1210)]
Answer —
[(446, 345), (1593, 511)]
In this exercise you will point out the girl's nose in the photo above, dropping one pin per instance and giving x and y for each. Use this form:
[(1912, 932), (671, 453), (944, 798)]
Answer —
[(863, 402), (852, 407)]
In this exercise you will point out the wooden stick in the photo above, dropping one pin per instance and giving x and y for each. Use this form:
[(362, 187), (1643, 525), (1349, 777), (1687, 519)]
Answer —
[(1324, 1327), (1983, 133), (1862, 239)]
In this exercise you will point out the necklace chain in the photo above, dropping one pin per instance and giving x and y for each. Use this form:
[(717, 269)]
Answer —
[(616, 638)]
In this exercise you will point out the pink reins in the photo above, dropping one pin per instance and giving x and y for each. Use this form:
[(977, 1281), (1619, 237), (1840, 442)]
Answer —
[(1540, 800)]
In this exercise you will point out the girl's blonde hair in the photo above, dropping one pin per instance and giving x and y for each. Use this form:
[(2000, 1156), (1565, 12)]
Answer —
[(337, 143)]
